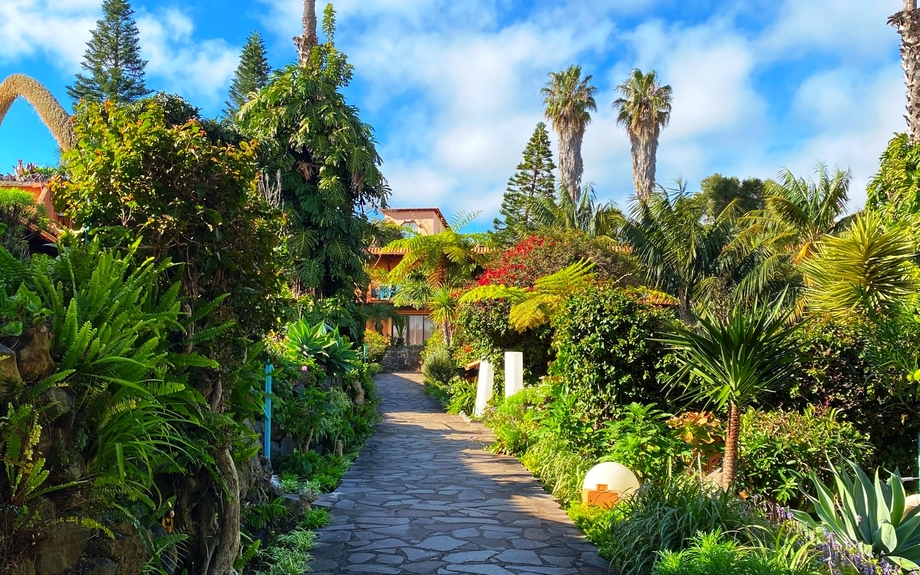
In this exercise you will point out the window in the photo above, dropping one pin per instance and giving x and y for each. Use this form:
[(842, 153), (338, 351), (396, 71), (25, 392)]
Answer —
[(417, 331), (411, 225)]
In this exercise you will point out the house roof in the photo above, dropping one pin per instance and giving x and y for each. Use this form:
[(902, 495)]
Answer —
[(437, 211)]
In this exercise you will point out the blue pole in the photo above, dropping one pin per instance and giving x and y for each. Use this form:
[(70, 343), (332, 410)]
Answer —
[(267, 430)]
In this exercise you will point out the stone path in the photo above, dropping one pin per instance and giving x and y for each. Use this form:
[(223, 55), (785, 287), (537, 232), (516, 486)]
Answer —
[(425, 497)]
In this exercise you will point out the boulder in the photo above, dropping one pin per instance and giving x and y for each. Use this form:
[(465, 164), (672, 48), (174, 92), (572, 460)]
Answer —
[(35, 356), (100, 566), (58, 401), (9, 370), (128, 550), (298, 504), (26, 567), (62, 549), (285, 447)]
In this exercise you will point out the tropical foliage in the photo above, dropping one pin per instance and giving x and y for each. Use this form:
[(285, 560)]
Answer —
[(568, 101)]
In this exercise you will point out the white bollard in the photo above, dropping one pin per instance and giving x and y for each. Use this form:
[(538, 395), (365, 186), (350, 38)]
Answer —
[(484, 387), (514, 372)]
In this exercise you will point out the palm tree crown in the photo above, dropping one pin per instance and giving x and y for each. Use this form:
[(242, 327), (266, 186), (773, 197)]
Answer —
[(569, 101), (644, 108)]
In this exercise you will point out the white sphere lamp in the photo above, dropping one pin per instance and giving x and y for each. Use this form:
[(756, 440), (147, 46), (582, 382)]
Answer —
[(608, 482)]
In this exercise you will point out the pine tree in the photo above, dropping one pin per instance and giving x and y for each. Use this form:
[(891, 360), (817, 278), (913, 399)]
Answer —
[(112, 60), (533, 182), (251, 75)]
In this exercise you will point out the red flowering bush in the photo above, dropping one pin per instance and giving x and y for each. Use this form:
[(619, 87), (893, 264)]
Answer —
[(538, 256)]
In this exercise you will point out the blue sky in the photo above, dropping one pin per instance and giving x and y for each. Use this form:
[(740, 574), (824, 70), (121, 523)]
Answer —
[(452, 86)]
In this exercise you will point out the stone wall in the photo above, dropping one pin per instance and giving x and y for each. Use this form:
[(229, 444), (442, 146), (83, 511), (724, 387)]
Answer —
[(405, 358)]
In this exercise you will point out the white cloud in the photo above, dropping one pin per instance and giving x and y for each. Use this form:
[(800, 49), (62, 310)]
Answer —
[(179, 62), (57, 30)]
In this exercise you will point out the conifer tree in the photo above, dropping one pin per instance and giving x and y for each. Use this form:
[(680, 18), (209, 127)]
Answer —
[(532, 183), (112, 60), (251, 75)]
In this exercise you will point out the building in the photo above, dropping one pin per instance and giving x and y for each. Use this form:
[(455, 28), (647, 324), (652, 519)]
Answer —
[(417, 325), (40, 241)]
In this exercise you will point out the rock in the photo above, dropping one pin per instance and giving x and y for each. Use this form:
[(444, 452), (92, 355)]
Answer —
[(285, 447), (339, 448), (359, 392), (100, 566), (58, 401), (35, 356), (9, 369), (299, 504), (62, 549), (128, 550), (26, 567)]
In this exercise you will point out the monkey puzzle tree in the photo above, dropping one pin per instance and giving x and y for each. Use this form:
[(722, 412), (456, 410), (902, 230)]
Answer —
[(251, 75), (112, 59)]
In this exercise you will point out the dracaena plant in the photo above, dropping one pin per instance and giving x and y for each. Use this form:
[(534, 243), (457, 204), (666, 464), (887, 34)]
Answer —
[(869, 513)]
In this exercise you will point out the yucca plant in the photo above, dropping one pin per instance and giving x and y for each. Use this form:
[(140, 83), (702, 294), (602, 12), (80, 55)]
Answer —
[(731, 362), (869, 513), (531, 308)]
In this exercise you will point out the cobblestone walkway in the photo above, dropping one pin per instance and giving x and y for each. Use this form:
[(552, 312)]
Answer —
[(425, 497)]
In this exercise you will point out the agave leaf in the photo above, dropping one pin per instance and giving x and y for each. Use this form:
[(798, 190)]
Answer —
[(898, 498), (888, 538)]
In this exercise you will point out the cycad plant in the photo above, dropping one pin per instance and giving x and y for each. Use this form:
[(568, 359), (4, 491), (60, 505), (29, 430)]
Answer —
[(731, 362), (533, 307), (865, 269)]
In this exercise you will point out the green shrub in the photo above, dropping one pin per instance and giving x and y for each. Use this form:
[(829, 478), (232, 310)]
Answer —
[(561, 470), (641, 439), (439, 367), (605, 352), (667, 515), (376, 345), (714, 553), (517, 421), (779, 449), (841, 374)]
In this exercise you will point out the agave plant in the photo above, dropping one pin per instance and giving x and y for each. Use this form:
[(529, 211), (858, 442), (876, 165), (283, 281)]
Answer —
[(329, 349), (868, 513)]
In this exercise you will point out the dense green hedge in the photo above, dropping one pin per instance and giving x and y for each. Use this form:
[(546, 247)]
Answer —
[(606, 354)]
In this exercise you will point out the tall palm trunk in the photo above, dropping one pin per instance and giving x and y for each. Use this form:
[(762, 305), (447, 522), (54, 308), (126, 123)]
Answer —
[(731, 444), (908, 24), (644, 159), (571, 166), (308, 40)]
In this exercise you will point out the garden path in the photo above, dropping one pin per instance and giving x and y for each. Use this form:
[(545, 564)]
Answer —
[(425, 497)]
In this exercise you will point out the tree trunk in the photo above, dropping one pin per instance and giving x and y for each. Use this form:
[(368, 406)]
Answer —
[(570, 162), (228, 535), (908, 24), (644, 152), (309, 39), (731, 445)]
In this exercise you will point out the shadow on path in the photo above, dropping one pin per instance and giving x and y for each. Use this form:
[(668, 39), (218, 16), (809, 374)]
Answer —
[(425, 497)]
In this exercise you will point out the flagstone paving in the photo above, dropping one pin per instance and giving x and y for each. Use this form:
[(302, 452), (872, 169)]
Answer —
[(425, 497)]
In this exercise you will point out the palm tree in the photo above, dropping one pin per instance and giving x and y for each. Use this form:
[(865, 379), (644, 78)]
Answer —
[(798, 213), (644, 108), (678, 249), (908, 24), (732, 362), (569, 101), (433, 269), (588, 215), (46, 105), (796, 216)]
